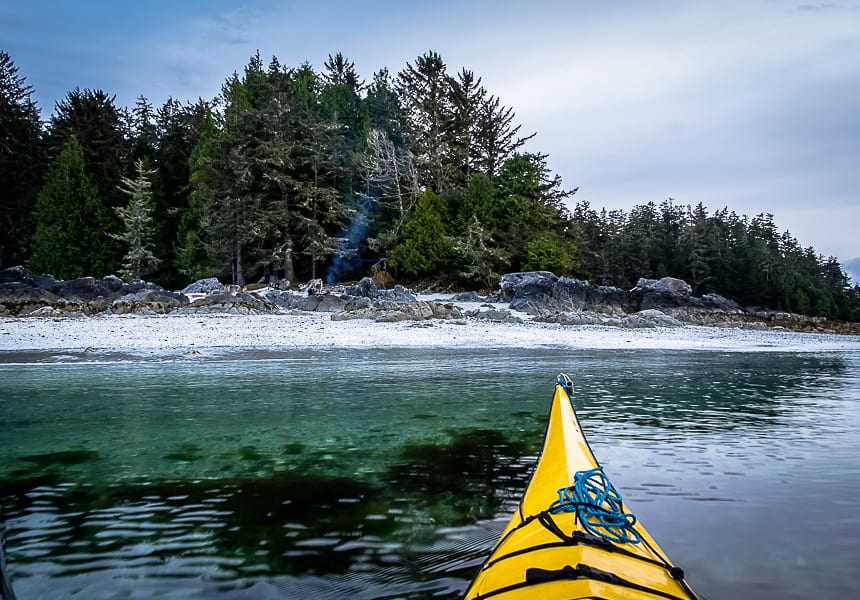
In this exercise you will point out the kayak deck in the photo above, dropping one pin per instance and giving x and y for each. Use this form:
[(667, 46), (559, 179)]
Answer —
[(548, 551)]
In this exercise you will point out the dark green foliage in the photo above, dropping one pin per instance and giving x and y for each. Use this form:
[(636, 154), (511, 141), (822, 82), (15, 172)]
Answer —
[(179, 129), (745, 259), (22, 163), (292, 173), (92, 118), (71, 221), (529, 205), (424, 248)]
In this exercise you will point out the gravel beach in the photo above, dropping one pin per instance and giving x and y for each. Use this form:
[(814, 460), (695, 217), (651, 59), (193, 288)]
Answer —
[(179, 334)]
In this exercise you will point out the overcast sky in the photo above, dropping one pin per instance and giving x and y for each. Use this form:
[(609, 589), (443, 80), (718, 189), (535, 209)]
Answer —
[(752, 105)]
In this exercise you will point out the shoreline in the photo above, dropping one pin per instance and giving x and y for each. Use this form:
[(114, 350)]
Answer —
[(183, 334)]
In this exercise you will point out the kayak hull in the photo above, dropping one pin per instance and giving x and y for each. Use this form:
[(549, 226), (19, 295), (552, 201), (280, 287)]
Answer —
[(551, 554)]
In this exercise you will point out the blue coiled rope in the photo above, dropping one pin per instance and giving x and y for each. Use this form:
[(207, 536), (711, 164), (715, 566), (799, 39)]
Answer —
[(598, 507)]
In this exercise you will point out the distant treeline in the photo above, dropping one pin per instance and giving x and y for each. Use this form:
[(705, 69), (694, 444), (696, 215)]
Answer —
[(291, 173)]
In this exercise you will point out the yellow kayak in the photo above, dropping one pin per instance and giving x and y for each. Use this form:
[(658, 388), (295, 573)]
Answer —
[(571, 536)]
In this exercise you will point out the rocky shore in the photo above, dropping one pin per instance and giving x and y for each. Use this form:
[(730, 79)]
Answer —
[(541, 297)]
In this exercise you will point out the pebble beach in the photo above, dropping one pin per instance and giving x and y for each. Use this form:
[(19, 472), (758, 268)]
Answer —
[(182, 334)]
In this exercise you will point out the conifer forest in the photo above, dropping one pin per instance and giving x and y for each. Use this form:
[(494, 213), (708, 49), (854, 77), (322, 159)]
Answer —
[(296, 173)]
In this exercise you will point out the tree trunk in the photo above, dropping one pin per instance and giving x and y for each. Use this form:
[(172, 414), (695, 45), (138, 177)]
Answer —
[(240, 276), (289, 272)]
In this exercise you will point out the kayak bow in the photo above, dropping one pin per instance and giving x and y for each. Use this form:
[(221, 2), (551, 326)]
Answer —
[(571, 536)]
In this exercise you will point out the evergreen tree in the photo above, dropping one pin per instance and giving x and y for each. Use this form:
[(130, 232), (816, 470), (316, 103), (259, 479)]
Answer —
[(71, 221), (549, 251), (341, 103), (467, 98), (92, 118), (143, 132), (317, 138), (495, 138), (99, 127), (226, 181), (138, 224), (531, 202), (381, 109), (179, 128), (192, 259), (424, 90), (424, 247), (22, 162)]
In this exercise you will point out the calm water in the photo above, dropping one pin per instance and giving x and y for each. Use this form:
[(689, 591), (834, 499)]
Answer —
[(390, 473)]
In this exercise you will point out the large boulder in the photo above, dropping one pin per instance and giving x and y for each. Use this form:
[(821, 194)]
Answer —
[(365, 288), (661, 293), (542, 292), (467, 297), (239, 303), (208, 285), (88, 289), (16, 274), (20, 298), (531, 283), (420, 310), (23, 293), (148, 301), (585, 317), (394, 298)]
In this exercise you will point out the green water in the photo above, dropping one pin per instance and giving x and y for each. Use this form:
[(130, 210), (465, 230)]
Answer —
[(390, 473)]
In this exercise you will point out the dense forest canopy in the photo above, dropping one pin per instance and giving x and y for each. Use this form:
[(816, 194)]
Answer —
[(296, 173)]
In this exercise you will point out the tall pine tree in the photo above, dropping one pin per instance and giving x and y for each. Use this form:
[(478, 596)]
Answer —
[(71, 221), (138, 225), (22, 162)]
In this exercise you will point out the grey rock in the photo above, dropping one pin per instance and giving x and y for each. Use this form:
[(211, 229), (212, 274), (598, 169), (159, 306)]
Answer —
[(397, 296), (148, 301), (19, 298), (572, 318), (17, 273), (466, 297), (494, 314), (446, 311), (541, 292), (420, 310), (224, 302), (651, 318), (205, 286), (659, 293), (538, 280), (325, 303), (392, 316), (365, 288), (717, 302)]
